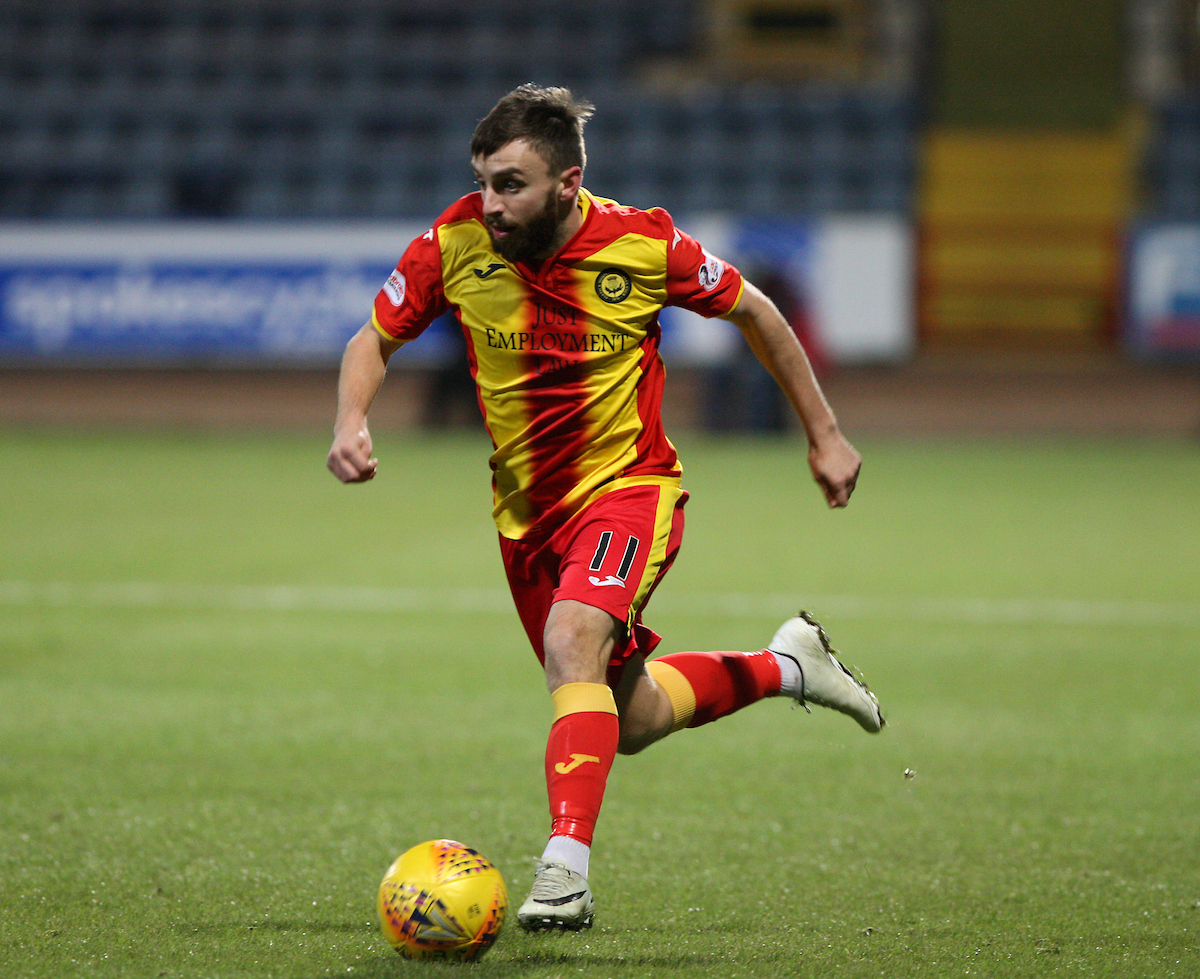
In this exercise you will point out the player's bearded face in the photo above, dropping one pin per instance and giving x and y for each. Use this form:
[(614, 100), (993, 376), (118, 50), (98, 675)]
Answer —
[(529, 239)]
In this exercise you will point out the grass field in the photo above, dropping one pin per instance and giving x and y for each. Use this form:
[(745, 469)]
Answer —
[(232, 690)]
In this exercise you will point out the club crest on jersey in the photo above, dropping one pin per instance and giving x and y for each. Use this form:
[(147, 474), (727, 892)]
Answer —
[(710, 273), (395, 288), (614, 285)]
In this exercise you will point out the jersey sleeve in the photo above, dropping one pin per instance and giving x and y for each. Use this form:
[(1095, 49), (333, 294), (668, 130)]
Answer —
[(412, 297), (699, 281)]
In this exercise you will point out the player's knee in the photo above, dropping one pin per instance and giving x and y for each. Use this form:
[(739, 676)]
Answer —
[(562, 641), (577, 643), (568, 659)]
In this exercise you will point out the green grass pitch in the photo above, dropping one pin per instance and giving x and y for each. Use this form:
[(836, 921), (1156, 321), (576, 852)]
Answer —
[(232, 691)]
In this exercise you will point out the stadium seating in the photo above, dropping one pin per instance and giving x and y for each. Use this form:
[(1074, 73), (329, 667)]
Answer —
[(1173, 164), (319, 108)]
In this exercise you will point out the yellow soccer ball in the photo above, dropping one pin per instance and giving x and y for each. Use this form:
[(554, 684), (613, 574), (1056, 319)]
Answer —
[(442, 900)]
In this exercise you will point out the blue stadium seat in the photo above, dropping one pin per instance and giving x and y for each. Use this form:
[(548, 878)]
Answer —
[(264, 198), (143, 198), (370, 104)]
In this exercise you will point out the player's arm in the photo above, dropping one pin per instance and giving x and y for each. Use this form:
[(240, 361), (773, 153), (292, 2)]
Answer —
[(835, 463), (364, 364)]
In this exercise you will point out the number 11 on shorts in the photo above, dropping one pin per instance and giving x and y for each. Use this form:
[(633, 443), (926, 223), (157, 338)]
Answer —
[(631, 549)]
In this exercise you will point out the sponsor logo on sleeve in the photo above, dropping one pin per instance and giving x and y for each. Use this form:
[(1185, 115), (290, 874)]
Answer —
[(710, 273), (614, 285), (395, 288)]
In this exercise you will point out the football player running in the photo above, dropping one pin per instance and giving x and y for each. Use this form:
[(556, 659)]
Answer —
[(558, 293)]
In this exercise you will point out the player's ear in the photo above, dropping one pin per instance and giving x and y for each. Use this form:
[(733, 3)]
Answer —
[(569, 182)]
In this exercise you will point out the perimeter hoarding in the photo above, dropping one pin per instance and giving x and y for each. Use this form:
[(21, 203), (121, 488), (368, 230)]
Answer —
[(182, 293), (1163, 321), (266, 295)]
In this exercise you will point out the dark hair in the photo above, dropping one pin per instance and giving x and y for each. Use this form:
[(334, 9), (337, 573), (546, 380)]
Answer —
[(550, 120)]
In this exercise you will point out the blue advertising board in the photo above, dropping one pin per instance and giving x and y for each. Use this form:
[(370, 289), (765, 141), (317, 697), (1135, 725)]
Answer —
[(196, 309), (1163, 320), (177, 294)]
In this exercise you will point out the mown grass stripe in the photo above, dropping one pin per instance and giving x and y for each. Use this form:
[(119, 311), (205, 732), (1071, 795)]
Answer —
[(264, 598)]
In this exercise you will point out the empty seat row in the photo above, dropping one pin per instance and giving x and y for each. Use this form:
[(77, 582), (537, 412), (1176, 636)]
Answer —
[(1172, 165), (318, 107)]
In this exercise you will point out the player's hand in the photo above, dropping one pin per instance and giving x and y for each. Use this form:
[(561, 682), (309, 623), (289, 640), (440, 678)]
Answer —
[(350, 457), (835, 465)]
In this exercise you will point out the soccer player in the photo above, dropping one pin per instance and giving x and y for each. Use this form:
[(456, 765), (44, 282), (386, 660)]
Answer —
[(558, 293)]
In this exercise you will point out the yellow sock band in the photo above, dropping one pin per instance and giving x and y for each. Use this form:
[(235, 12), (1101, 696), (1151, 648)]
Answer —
[(678, 691), (583, 698)]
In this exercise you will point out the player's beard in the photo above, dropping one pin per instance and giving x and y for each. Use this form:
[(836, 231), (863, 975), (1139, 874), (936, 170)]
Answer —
[(533, 239)]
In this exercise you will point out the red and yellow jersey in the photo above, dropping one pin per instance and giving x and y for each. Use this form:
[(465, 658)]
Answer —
[(565, 356)]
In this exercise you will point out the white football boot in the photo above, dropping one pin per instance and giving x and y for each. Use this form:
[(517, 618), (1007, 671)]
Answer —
[(824, 680), (560, 899)]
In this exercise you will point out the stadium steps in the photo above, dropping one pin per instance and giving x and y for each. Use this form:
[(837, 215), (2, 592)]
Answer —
[(1020, 236)]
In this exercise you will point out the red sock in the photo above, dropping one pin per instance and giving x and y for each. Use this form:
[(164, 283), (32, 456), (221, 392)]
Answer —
[(720, 683), (579, 754)]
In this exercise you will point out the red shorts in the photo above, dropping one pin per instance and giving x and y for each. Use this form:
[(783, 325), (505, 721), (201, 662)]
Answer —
[(611, 555)]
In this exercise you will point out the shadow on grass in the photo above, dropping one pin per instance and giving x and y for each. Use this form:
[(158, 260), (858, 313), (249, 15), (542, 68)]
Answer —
[(616, 959), (285, 925), (390, 966), (331, 927)]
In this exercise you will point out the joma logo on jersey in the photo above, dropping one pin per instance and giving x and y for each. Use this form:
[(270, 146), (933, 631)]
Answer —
[(490, 270), (614, 285), (566, 768)]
